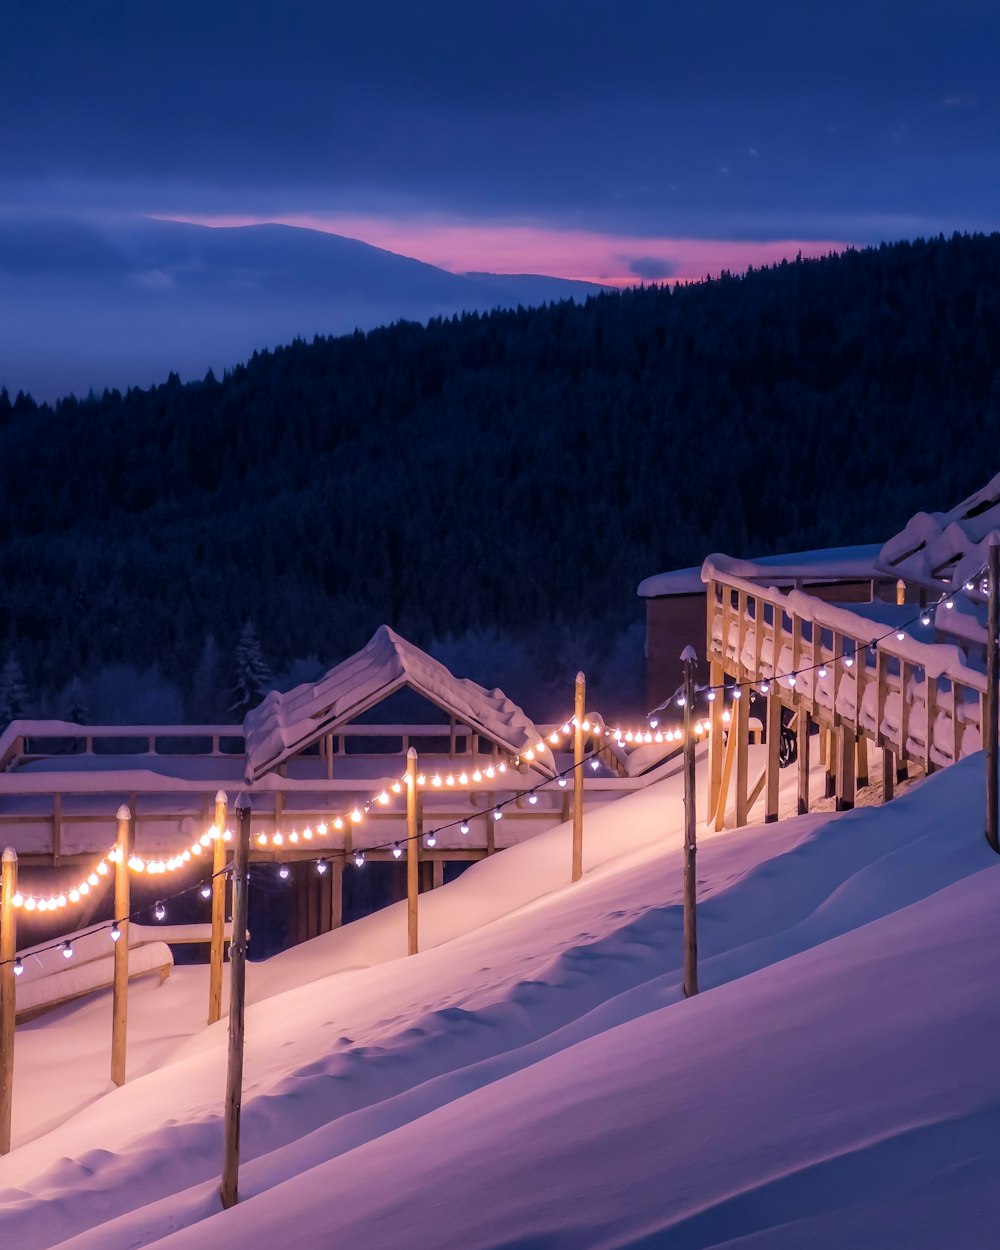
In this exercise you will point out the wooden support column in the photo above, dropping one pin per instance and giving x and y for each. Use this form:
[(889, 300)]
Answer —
[(803, 740), (991, 732), (123, 905), (579, 702), (229, 1190), (830, 780), (437, 870), (742, 729), (491, 825), (888, 775), (336, 892), (862, 760), (8, 952), (689, 660), (716, 746), (412, 853), (773, 748), (218, 907), (727, 772), (846, 761)]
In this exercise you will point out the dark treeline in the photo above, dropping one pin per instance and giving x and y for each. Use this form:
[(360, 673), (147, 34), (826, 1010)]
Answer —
[(517, 472)]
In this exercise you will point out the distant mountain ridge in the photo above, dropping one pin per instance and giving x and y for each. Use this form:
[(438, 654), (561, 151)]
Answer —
[(92, 306)]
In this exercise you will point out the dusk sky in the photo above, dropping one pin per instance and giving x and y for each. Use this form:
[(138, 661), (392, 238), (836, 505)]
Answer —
[(612, 141)]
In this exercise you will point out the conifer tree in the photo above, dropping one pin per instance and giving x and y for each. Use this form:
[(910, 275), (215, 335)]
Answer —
[(253, 673), (75, 707)]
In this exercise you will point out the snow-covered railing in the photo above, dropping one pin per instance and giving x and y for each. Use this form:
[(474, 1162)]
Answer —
[(24, 740), (922, 701)]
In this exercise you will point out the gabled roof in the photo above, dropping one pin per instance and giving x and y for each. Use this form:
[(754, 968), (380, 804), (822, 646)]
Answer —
[(938, 549), (285, 724)]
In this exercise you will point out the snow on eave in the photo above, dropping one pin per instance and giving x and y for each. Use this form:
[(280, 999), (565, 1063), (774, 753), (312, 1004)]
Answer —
[(935, 549), (285, 724), (825, 564)]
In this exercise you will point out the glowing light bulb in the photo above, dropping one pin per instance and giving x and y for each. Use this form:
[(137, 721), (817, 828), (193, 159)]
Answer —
[(727, 716), (477, 775), (792, 679), (102, 868), (282, 872), (396, 788), (949, 603), (497, 814), (322, 829), (74, 896), (262, 839), (30, 904), (436, 780), (564, 729), (463, 779), (737, 693), (67, 950), (900, 635), (554, 738), (430, 840), (681, 700), (532, 799), (338, 823), (321, 866), (562, 782), (491, 772), (18, 966), (383, 798), (359, 859), (848, 661), (159, 911), (293, 836), (529, 755), (595, 764), (84, 887), (765, 686), (397, 850), (307, 834), (115, 932), (822, 670), (969, 586), (277, 839), (925, 618), (463, 828), (356, 815)]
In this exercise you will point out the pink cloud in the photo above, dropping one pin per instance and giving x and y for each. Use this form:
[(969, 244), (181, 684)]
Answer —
[(617, 260)]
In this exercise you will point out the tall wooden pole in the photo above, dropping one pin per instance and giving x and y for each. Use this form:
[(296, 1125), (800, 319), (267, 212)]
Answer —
[(690, 826), (237, 1004), (218, 908), (123, 906), (773, 773), (992, 733), (412, 854), (579, 705), (8, 950)]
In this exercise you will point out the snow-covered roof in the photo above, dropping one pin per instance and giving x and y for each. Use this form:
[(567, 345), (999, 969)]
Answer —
[(945, 548), (285, 724), (829, 564)]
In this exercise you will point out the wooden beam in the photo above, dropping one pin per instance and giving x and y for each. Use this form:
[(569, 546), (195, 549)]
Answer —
[(888, 775), (229, 1190), (773, 748), (579, 706), (217, 951), (802, 756), (862, 760), (123, 906), (437, 871), (412, 853), (8, 950), (336, 892), (846, 761), (742, 758), (727, 770), (716, 746)]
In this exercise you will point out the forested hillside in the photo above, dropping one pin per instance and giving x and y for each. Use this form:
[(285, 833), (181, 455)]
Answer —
[(518, 472)]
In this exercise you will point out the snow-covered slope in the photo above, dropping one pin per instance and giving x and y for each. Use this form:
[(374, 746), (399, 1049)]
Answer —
[(535, 1079)]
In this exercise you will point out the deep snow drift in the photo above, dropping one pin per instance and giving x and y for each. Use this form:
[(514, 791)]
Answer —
[(535, 1078)]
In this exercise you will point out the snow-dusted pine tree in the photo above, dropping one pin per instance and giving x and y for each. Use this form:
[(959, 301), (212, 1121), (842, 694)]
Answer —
[(75, 707), (13, 689), (253, 673)]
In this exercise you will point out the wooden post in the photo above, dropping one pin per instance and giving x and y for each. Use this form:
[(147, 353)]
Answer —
[(218, 908), (336, 892), (742, 729), (862, 760), (412, 853), (847, 758), (888, 775), (229, 1190), (579, 704), (830, 780), (773, 748), (8, 952), (991, 735), (123, 906), (689, 660), (716, 747), (802, 753), (727, 769)]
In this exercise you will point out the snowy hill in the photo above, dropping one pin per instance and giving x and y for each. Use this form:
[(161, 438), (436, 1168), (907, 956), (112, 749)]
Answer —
[(87, 305), (535, 1078)]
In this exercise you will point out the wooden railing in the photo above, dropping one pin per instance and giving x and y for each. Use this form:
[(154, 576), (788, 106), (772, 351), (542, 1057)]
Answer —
[(918, 702)]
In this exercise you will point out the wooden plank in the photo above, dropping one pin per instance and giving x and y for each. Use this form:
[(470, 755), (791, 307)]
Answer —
[(888, 775), (336, 893), (716, 746), (412, 853), (772, 770), (437, 867), (930, 702), (861, 764), (217, 951), (727, 770), (846, 761), (229, 1189), (579, 706), (119, 1003), (904, 717), (742, 759), (8, 949), (802, 755)]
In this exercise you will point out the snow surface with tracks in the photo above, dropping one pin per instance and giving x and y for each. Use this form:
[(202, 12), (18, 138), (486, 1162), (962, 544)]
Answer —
[(535, 1080)]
